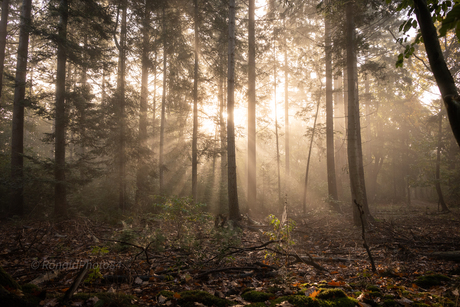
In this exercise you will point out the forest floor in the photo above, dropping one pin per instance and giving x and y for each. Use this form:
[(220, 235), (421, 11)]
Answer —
[(320, 261)]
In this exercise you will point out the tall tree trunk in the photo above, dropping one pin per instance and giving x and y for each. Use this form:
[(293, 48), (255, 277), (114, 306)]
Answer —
[(287, 178), (355, 154), (17, 138), (339, 119), (331, 178), (121, 110), (276, 123), (163, 105), (142, 170), (60, 202), (438, 165), (3, 32), (252, 187), (223, 141), (438, 66), (82, 111), (233, 206), (154, 105), (305, 187), (195, 110)]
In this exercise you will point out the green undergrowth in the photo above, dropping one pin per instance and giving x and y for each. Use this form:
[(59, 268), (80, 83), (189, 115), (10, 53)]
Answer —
[(107, 299)]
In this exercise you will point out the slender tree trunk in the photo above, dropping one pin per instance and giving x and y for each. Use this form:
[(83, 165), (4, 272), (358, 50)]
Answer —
[(305, 187), (276, 123), (121, 111), (233, 206), (60, 205), (331, 178), (142, 170), (340, 137), (17, 138), (355, 155), (252, 187), (3, 33), (438, 165), (287, 178), (163, 106), (154, 105), (195, 110), (438, 65), (223, 143), (82, 111)]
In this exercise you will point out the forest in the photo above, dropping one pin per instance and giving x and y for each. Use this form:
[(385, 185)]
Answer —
[(229, 153)]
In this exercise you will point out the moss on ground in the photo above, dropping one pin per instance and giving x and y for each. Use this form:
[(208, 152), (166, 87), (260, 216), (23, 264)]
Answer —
[(432, 280), (108, 299), (188, 299), (256, 296), (327, 294)]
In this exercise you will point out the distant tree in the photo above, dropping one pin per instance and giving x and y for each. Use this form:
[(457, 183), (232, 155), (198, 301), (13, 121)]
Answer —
[(195, 104), (17, 139), (120, 95), (142, 170), (60, 208), (252, 186), (234, 210), (3, 33), (438, 164), (163, 101), (331, 178)]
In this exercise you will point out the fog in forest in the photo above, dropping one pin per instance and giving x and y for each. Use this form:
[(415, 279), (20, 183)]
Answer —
[(128, 105)]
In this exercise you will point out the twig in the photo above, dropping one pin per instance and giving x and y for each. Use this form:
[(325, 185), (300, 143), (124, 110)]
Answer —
[(69, 293), (299, 259), (361, 213)]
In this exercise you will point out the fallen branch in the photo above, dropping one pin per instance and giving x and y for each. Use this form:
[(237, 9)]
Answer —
[(69, 293)]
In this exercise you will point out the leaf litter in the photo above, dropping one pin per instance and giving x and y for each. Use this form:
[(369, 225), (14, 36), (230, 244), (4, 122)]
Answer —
[(323, 251)]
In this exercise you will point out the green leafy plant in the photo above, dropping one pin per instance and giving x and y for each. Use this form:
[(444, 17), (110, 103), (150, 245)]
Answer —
[(282, 234)]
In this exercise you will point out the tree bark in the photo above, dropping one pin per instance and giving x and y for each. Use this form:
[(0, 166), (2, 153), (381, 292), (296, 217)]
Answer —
[(233, 206), (142, 170), (17, 138), (331, 177), (3, 33), (276, 124), (223, 141), (60, 202), (286, 115), (121, 111), (163, 105), (438, 66), (438, 165), (252, 187), (355, 154), (305, 187), (195, 109)]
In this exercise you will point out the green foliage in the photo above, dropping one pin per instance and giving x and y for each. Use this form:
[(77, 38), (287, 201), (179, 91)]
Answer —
[(94, 274), (281, 233), (281, 230)]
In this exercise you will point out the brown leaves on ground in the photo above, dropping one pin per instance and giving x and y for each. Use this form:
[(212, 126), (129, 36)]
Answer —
[(226, 264)]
